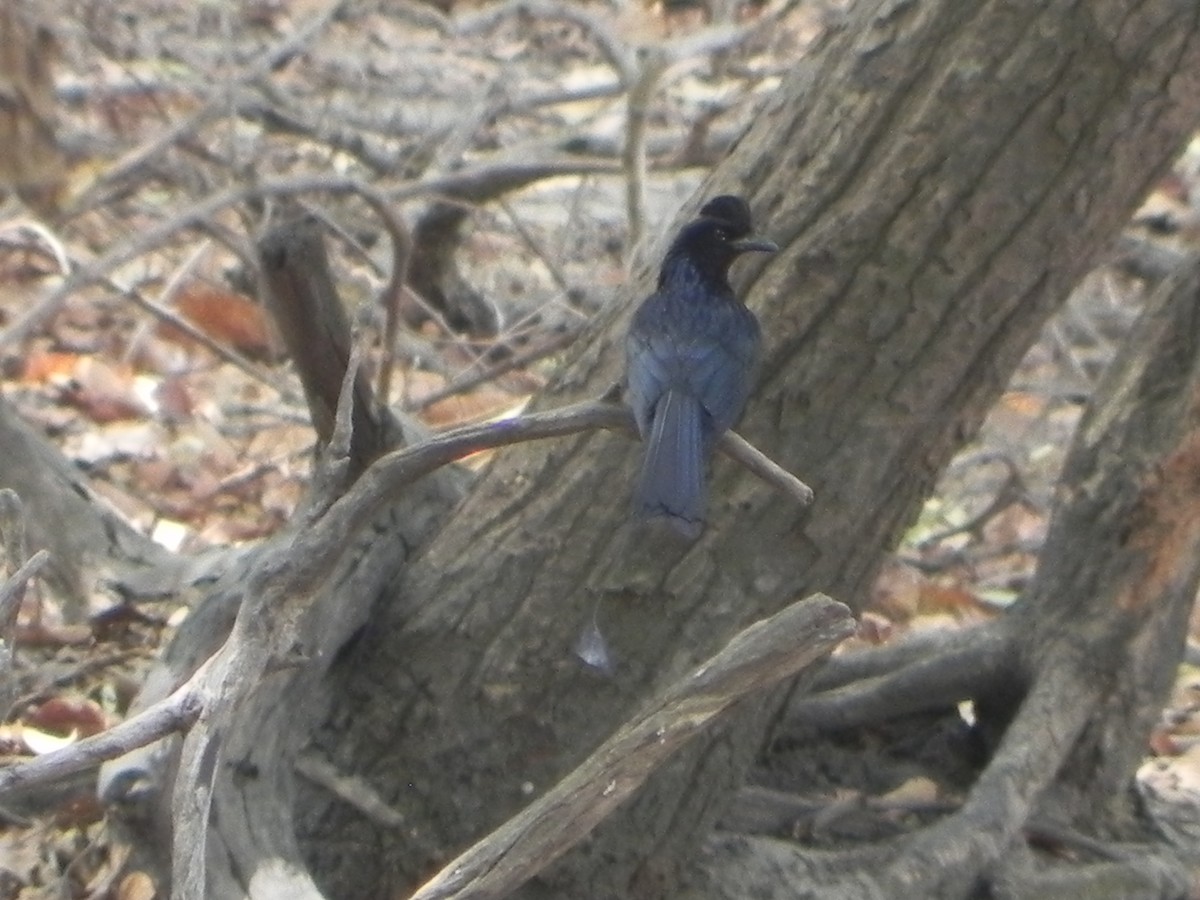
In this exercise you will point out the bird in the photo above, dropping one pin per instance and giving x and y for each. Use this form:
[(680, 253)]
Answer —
[(690, 357)]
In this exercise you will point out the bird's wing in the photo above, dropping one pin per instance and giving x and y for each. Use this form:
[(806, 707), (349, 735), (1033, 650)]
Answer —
[(708, 350), (722, 369), (650, 360)]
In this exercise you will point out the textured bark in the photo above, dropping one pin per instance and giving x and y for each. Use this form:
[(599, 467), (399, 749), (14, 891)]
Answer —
[(1111, 603), (939, 175), (1081, 667), (87, 543)]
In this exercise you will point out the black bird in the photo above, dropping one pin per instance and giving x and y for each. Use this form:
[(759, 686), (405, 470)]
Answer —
[(690, 357)]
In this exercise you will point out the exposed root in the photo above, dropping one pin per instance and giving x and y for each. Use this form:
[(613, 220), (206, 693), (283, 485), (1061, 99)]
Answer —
[(915, 676), (860, 665)]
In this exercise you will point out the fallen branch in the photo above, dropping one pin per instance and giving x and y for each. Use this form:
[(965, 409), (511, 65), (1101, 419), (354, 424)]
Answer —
[(767, 652), (872, 662)]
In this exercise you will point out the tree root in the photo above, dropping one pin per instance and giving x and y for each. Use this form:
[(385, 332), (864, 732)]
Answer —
[(859, 665), (914, 676)]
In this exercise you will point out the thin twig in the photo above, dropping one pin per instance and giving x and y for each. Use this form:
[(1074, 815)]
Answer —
[(474, 377), (535, 247), (168, 316), (611, 45), (171, 714), (476, 183), (217, 106), (741, 450), (651, 64), (355, 791), (166, 297), (47, 687), (393, 293)]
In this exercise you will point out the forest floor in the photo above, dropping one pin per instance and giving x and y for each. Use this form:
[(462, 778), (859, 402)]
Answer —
[(202, 439)]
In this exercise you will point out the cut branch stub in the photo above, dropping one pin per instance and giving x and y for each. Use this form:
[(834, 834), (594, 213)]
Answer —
[(305, 305)]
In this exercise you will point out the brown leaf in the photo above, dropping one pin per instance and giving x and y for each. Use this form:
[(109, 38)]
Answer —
[(104, 391), (224, 316), (136, 886), (63, 715), (48, 366)]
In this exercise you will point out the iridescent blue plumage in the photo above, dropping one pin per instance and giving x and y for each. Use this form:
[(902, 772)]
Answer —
[(690, 358)]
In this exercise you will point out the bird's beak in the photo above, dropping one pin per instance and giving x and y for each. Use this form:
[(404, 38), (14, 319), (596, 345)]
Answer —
[(761, 245)]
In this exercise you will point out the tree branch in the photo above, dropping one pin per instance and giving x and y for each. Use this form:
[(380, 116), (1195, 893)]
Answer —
[(174, 713), (764, 653)]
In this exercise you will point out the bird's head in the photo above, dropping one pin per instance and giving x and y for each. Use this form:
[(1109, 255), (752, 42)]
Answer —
[(720, 234)]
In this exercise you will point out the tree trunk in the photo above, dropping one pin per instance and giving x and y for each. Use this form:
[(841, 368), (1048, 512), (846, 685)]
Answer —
[(939, 175), (1110, 605)]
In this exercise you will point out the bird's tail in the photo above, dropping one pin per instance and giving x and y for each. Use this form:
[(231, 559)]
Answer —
[(672, 481)]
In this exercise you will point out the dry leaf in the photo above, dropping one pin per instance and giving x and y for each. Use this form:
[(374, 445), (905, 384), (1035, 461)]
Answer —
[(48, 366), (104, 392), (68, 715), (226, 317), (136, 886)]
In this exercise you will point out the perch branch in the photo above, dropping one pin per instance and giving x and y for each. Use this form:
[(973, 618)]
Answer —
[(763, 654), (384, 480)]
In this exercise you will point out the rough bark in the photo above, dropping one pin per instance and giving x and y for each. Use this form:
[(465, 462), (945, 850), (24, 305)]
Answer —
[(88, 544), (1080, 667), (939, 175), (1111, 603)]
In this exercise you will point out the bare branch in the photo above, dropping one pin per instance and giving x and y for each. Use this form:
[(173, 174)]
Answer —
[(384, 480), (764, 653), (478, 183), (12, 591), (758, 463), (172, 714), (393, 292), (650, 66), (218, 106), (312, 320), (470, 379)]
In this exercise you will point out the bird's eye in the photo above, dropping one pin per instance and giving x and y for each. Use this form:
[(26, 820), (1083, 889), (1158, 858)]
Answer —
[(721, 235)]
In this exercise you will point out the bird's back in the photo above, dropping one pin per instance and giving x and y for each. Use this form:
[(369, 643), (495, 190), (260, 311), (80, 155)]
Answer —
[(702, 341)]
